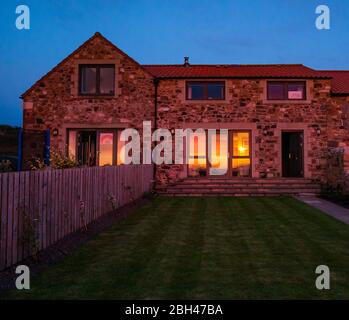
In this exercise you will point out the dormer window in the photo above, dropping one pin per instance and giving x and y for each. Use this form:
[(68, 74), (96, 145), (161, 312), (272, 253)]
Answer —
[(286, 90), (96, 80)]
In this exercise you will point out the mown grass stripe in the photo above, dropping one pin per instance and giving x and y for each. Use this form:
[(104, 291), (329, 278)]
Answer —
[(205, 248)]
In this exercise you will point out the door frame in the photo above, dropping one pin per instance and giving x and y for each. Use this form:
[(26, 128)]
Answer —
[(78, 134), (302, 132)]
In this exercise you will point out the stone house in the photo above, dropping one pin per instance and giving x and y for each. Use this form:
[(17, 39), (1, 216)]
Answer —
[(281, 119)]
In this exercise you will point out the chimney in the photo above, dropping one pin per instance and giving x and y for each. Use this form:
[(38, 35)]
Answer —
[(186, 61)]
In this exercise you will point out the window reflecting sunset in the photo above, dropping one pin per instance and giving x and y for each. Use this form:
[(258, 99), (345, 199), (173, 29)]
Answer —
[(106, 148)]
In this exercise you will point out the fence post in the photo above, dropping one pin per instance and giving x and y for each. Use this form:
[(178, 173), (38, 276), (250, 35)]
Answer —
[(47, 147), (20, 149)]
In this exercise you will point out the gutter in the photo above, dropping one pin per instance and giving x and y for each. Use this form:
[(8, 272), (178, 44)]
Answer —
[(156, 84)]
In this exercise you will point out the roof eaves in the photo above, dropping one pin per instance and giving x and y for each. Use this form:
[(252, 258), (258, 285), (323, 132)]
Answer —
[(58, 65), (243, 77)]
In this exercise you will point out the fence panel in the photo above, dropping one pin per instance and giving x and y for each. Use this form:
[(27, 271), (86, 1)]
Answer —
[(39, 208)]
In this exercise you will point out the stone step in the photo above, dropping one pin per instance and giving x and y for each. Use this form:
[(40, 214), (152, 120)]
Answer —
[(246, 180), (202, 192), (229, 194), (242, 185), (243, 190)]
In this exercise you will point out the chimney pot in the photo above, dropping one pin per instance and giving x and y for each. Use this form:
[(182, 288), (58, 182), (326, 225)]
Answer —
[(186, 61)]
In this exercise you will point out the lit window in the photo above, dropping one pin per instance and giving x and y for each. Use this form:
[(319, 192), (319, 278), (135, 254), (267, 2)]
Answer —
[(120, 150), (96, 146), (218, 153), (241, 144), (72, 144), (241, 162), (106, 142)]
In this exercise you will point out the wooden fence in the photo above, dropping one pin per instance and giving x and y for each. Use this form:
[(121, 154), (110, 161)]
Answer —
[(40, 207)]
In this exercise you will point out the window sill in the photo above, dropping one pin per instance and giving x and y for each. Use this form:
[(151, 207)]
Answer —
[(206, 101), (83, 96), (286, 101)]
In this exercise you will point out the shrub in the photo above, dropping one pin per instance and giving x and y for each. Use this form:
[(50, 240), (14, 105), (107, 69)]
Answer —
[(6, 166), (59, 160), (37, 164)]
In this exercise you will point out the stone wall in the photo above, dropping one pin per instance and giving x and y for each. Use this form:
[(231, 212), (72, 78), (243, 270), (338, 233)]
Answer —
[(246, 106), (338, 122), (338, 171)]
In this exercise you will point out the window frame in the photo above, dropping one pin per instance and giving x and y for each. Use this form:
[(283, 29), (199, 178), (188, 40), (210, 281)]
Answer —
[(230, 154), (98, 131), (285, 84), (98, 79), (114, 148), (205, 83), (231, 146)]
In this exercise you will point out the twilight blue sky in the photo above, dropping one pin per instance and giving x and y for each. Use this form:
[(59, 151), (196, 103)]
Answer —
[(163, 31)]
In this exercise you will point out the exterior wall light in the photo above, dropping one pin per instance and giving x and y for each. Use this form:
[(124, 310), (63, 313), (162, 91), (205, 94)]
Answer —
[(55, 132)]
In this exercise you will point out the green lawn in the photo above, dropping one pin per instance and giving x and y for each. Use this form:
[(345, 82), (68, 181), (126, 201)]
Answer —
[(206, 248)]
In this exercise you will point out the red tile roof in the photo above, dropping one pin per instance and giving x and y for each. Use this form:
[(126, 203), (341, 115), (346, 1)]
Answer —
[(340, 81), (234, 71)]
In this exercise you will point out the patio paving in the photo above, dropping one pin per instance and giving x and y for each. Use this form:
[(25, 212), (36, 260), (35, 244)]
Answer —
[(330, 208)]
